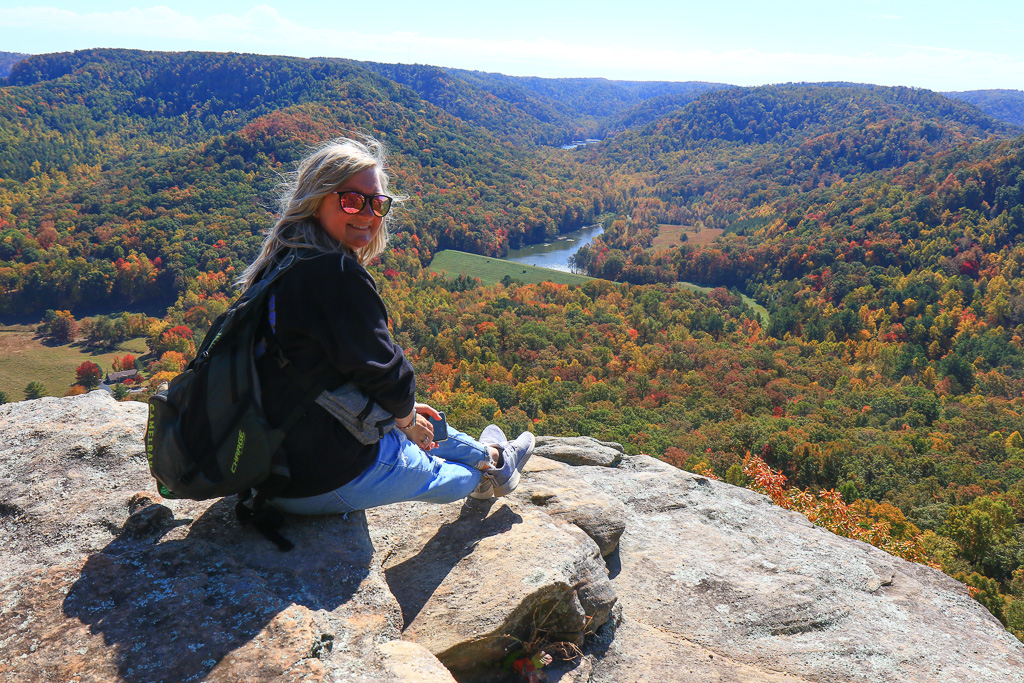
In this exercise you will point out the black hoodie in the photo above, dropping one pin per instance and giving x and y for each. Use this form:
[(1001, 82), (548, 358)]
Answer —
[(328, 314)]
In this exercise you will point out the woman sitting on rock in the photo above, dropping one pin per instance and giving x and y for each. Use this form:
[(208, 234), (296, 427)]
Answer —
[(327, 317)]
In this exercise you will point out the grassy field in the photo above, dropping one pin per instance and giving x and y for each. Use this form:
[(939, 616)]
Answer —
[(668, 236), (491, 270), (24, 359)]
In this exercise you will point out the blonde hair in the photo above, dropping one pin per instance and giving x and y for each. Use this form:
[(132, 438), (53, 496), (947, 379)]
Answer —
[(297, 228)]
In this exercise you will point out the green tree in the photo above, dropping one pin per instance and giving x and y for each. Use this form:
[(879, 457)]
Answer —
[(987, 593), (1015, 617), (34, 390), (848, 490), (979, 527), (734, 475), (961, 373)]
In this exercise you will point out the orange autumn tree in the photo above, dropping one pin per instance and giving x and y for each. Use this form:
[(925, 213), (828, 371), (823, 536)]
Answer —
[(827, 509), (125, 362)]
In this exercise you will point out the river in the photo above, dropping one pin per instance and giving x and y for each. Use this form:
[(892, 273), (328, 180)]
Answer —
[(580, 143), (555, 254)]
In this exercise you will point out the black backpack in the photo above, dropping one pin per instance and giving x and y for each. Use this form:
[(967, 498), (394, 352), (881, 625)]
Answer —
[(207, 434)]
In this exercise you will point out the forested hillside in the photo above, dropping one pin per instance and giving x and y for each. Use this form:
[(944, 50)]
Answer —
[(881, 227), (884, 230), (125, 174), (542, 110), (1007, 105)]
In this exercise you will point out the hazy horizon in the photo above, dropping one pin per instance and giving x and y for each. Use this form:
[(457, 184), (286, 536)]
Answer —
[(938, 46)]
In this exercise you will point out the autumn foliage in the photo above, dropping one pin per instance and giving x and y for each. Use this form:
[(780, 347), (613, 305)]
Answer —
[(883, 229), (827, 509), (125, 362), (88, 374)]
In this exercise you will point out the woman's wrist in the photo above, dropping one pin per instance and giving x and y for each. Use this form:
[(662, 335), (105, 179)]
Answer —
[(408, 422)]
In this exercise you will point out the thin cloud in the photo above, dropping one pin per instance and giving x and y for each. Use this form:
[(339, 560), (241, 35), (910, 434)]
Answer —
[(260, 25), (263, 29)]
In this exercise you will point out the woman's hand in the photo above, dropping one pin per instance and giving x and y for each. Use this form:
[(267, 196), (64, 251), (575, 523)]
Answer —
[(420, 431)]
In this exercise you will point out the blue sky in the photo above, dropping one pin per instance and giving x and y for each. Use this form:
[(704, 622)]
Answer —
[(938, 45)]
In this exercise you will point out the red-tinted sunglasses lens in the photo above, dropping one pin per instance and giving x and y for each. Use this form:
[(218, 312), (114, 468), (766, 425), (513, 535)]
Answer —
[(380, 204), (353, 202)]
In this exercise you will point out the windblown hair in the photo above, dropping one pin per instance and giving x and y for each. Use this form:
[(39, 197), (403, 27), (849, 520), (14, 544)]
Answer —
[(297, 228)]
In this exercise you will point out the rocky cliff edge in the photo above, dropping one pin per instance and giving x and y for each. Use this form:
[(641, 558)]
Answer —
[(622, 567)]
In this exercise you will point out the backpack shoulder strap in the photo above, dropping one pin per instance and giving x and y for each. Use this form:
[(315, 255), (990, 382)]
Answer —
[(325, 374)]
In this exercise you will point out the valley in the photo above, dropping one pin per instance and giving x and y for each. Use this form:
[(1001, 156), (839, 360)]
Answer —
[(880, 229)]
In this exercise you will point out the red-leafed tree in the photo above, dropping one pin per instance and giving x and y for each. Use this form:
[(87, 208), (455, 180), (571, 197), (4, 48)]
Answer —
[(88, 374), (178, 338)]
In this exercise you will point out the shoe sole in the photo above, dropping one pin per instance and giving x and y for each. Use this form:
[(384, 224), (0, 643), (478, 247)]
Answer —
[(486, 494), (513, 481), (498, 436)]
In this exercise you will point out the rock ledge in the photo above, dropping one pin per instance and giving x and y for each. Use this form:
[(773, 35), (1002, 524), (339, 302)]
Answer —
[(651, 572)]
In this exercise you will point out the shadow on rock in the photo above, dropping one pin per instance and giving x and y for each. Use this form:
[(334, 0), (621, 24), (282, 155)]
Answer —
[(614, 563), (219, 597), (413, 581)]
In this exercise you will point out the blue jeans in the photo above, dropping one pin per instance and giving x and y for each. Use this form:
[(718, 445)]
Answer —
[(403, 471)]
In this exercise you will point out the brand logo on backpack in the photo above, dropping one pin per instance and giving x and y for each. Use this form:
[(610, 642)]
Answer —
[(190, 427), (150, 434), (238, 451)]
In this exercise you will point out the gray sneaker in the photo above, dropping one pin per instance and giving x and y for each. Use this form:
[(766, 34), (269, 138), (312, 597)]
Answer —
[(491, 436), (513, 458)]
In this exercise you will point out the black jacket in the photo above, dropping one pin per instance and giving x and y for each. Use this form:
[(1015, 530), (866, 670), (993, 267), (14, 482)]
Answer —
[(329, 317)]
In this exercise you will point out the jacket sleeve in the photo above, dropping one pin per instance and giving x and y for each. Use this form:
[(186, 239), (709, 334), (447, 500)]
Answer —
[(356, 340)]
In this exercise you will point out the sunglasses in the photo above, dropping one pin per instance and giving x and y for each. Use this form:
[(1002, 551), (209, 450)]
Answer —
[(353, 202)]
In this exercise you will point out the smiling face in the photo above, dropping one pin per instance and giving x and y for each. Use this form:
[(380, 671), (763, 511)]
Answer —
[(353, 230)]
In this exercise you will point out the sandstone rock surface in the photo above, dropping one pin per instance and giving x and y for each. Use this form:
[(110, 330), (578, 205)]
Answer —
[(102, 580), (568, 498), (476, 578), (412, 663), (177, 591), (721, 568), (579, 450)]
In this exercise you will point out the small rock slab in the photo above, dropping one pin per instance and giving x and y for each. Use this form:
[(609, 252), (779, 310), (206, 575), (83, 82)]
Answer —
[(407, 662), (667, 656), (567, 497), (578, 450), (475, 579)]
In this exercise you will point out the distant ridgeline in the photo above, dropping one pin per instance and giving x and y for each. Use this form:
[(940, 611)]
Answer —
[(882, 228), (127, 174), (1007, 105), (8, 60)]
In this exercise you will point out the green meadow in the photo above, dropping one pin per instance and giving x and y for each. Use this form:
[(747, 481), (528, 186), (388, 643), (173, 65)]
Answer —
[(25, 358), (490, 270)]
